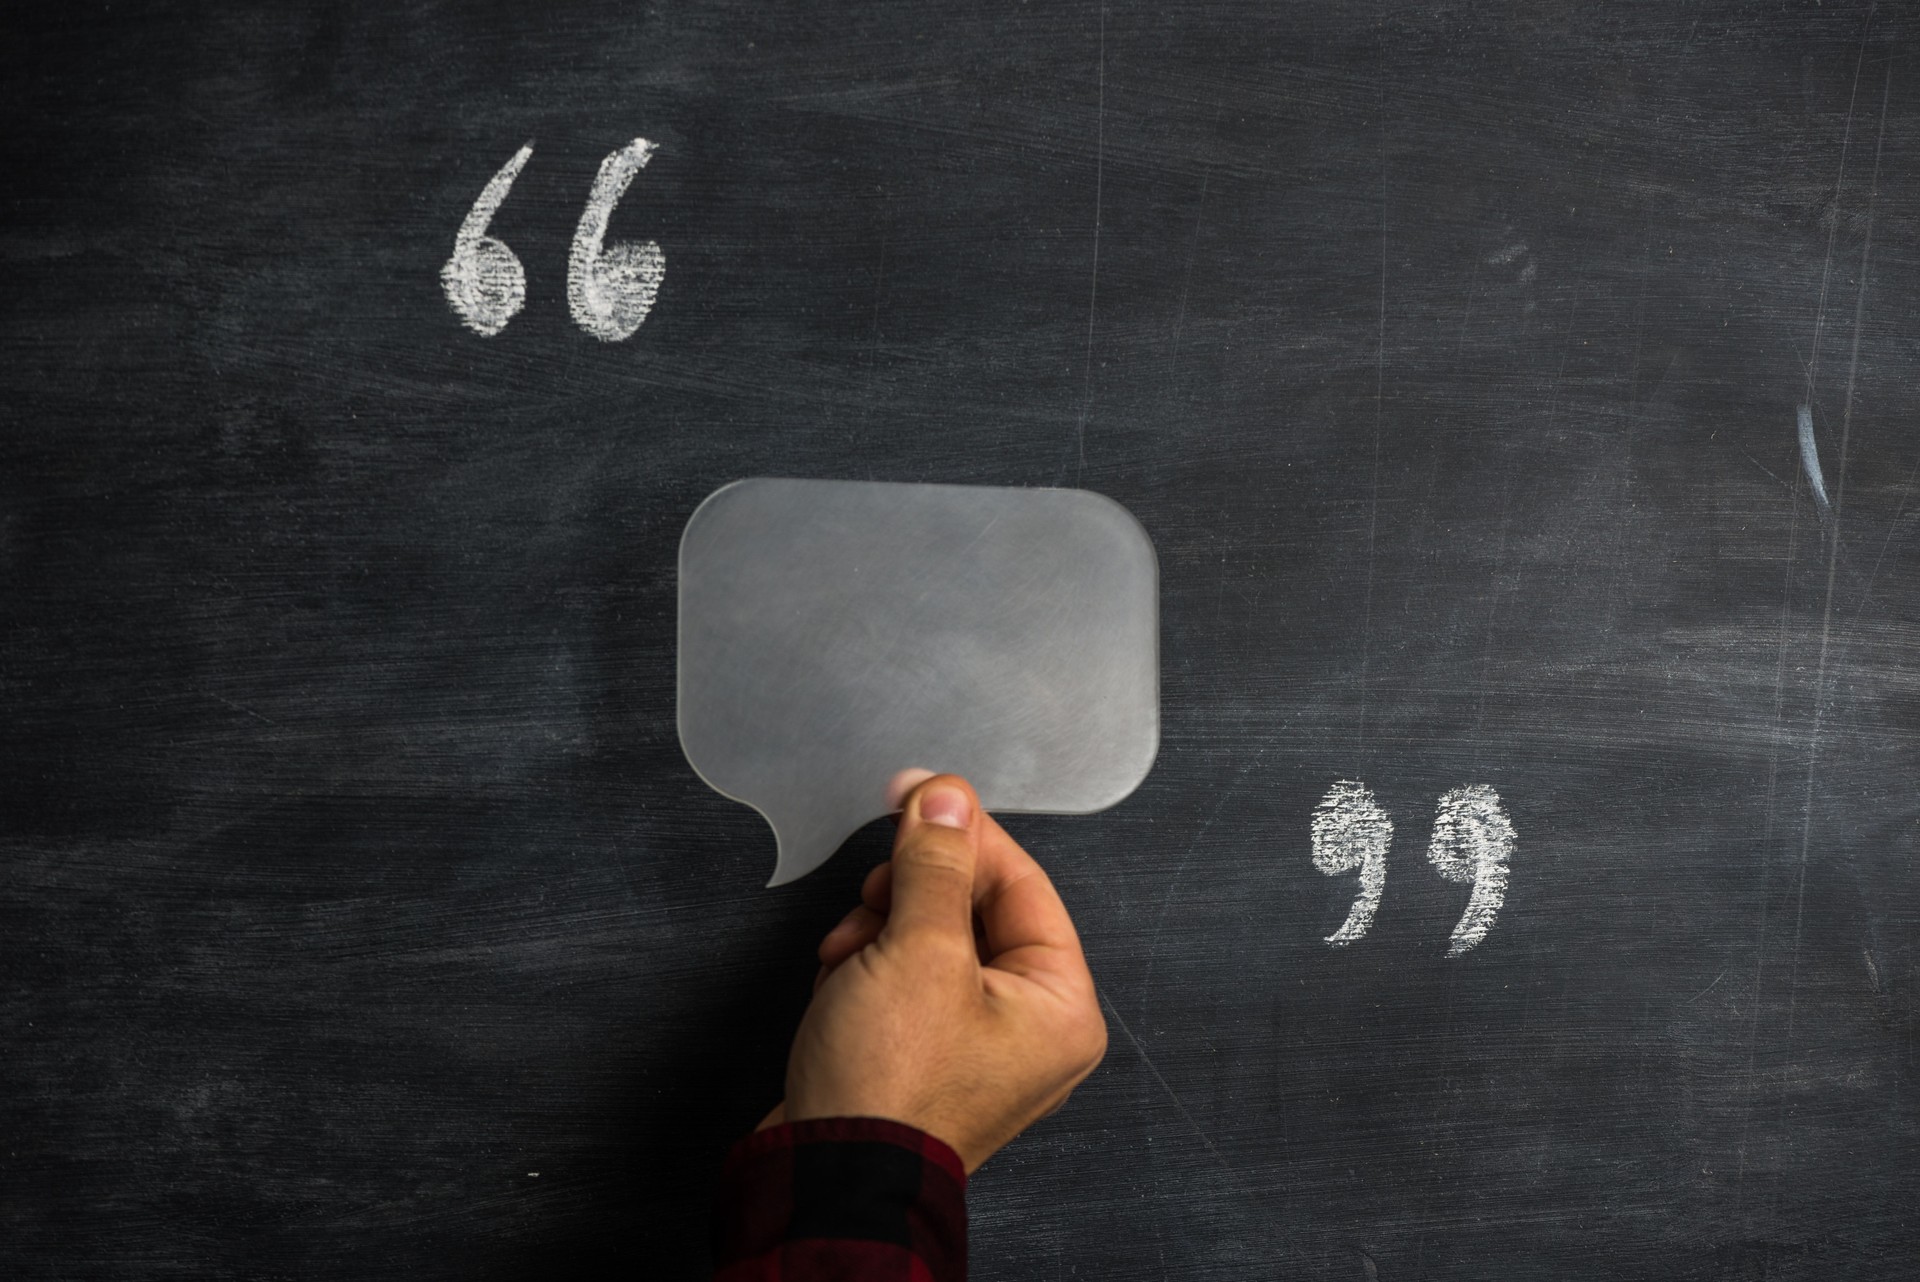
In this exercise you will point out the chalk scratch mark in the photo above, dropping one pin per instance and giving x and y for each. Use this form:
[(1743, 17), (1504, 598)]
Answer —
[(1780, 661), (1833, 562), (1810, 460), (1379, 399), (1764, 470), (1833, 228), (1193, 250), (1166, 898), (1232, 1174), (1466, 317), (1826, 609), (1495, 595), (1165, 1085), (241, 707), (1629, 428), (1703, 992), (873, 335), (1226, 1166), (328, 784), (1093, 286), (1865, 584)]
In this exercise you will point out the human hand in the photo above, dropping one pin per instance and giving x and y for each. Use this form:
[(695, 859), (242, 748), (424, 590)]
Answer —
[(955, 998)]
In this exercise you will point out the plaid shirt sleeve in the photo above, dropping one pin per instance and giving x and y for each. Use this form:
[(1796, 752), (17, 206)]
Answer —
[(841, 1199)]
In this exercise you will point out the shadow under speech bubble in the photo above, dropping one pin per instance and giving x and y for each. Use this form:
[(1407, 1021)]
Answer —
[(833, 633)]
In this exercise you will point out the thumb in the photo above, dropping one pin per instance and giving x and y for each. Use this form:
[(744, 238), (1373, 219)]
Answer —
[(933, 858)]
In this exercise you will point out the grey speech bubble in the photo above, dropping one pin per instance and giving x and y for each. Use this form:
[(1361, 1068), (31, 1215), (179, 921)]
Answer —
[(833, 633)]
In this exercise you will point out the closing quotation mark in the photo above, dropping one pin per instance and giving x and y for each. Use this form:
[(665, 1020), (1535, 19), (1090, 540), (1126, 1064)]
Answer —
[(610, 289), (1351, 834), (1472, 844)]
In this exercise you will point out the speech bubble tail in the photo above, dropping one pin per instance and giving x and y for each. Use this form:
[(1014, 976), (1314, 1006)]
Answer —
[(806, 838), (782, 874), (805, 848)]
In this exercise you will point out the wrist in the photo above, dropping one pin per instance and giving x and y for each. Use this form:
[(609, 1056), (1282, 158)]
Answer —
[(852, 1128)]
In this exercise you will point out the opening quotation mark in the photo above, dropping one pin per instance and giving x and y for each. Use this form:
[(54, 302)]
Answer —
[(1472, 844), (610, 291), (484, 282), (610, 288)]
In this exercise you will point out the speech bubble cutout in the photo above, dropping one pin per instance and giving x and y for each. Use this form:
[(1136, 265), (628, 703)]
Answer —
[(833, 633)]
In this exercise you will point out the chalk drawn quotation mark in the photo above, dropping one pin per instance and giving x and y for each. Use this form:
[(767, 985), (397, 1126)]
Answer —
[(1472, 844), (484, 281), (610, 289), (1351, 834)]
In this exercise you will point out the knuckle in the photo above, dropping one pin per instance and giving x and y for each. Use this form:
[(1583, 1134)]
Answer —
[(1088, 1037), (944, 949), (939, 853), (930, 841)]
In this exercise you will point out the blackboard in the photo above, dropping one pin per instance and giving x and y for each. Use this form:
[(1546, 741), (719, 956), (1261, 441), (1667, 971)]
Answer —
[(362, 918)]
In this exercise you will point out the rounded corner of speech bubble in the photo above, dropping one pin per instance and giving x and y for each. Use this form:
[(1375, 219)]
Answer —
[(815, 661)]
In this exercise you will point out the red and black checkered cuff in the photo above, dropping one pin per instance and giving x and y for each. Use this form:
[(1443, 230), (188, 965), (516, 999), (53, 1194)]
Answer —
[(841, 1198)]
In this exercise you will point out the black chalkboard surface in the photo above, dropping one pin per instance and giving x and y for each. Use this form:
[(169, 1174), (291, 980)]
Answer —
[(361, 918)]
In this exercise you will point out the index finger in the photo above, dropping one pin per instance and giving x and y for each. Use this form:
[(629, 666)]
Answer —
[(1027, 926)]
